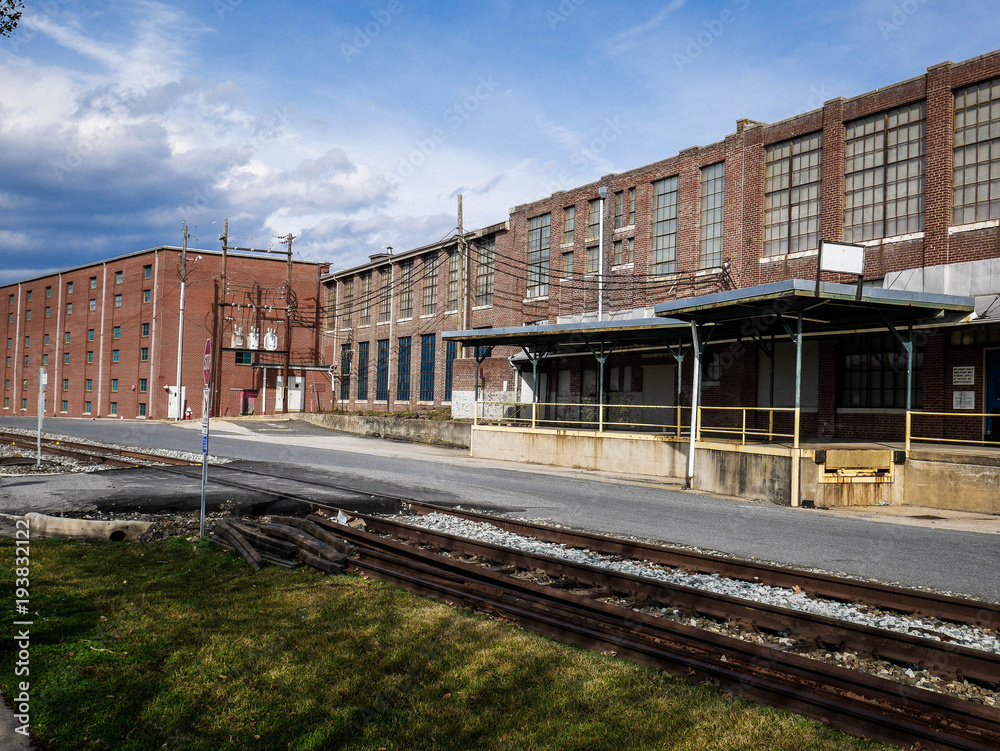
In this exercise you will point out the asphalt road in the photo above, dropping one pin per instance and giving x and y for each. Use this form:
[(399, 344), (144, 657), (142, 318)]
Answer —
[(961, 562)]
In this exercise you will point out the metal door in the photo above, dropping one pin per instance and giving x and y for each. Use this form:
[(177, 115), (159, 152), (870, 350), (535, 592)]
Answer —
[(993, 394)]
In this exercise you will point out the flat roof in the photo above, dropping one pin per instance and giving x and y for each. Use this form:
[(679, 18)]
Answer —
[(736, 314), (575, 338), (835, 309)]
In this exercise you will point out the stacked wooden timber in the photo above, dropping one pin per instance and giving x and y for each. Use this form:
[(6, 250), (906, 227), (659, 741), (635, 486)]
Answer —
[(283, 541)]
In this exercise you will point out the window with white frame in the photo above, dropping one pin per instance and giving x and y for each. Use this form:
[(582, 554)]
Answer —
[(792, 174), (884, 174), (977, 153), (713, 198)]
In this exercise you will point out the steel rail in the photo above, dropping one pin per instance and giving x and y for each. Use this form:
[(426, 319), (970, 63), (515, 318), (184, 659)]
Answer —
[(884, 596), (102, 454), (888, 597), (854, 702), (940, 656)]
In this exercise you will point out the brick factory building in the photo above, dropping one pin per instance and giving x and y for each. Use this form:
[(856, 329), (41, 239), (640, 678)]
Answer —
[(107, 335), (910, 172)]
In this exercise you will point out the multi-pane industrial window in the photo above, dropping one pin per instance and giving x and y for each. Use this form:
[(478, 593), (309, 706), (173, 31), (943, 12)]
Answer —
[(382, 371), (713, 198), (977, 153), (147, 295), (569, 224), (65, 384), (619, 209), (244, 357), (884, 174), (403, 370), (664, 235), (450, 352), (143, 385), (90, 384), (117, 332), (873, 373), (793, 170), (144, 354), (593, 219), (631, 207), (93, 306), (86, 407), (623, 251), (114, 384), (366, 299), (453, 259), (119, 275), (69, 308), (427, 367), (567, 264), (93, 282), (90, 335), (65, 405), (347, 302), (118, 301), (485, 258), (406, 289), (90, 356), (384, 294), (147, 271), (145, 329), (538, 255), (115, 355), (345, 372), (362, 371), (593, 259), (65, 358), (142, 409), (430, 284), (69, 288), (113, 408), (67, 338)]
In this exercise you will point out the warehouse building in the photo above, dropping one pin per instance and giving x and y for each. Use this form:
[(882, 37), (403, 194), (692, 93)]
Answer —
[(107, 336)]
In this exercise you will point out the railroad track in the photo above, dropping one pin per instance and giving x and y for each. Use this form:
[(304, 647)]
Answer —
[(826, 586), (569, 609), (854, 702), (115, 457)]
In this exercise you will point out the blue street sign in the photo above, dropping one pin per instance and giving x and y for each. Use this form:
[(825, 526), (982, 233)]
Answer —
[(204, 444)]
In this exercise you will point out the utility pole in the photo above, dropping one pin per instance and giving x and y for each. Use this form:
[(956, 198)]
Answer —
[(180, 327), (288, 330), (464, 267)]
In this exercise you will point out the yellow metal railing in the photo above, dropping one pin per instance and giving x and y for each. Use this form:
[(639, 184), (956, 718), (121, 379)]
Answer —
[(584, 416), (742, 430), (952, 417)]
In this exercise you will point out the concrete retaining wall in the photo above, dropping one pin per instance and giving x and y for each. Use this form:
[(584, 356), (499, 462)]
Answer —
[(442, 432), (737, 471), (967, 483), (635, 454)]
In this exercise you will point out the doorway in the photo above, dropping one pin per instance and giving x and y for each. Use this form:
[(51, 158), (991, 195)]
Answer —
[(993, 394)]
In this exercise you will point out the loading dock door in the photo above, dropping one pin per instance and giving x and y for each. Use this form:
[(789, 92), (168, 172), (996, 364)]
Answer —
[(993, 394), (659, 389)]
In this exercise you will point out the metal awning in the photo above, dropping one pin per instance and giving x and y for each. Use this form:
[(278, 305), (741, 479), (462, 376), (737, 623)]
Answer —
[(750, 311), (558, 339)]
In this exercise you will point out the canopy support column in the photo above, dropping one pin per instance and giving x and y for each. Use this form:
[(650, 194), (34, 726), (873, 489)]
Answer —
[(601, 359), (695, 394)]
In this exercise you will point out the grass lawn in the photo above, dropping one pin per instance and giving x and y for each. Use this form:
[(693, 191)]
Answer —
[(182, 646)]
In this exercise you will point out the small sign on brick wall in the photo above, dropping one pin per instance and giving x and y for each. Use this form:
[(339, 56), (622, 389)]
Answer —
[(963, 400), (964, 375)]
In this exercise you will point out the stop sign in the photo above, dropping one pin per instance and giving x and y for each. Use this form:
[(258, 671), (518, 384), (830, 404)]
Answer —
[(208, 359)]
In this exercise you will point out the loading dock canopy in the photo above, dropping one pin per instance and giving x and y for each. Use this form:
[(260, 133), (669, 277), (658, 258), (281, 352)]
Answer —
[(563, 339), (834, 309)]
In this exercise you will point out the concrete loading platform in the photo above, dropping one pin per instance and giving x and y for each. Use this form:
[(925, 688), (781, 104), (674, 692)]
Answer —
[(827, 474)]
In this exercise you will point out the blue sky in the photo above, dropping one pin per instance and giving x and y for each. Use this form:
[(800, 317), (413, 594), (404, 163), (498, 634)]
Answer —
[(355, 125)]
